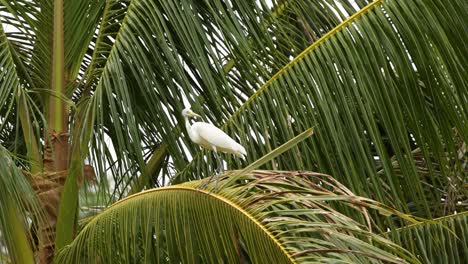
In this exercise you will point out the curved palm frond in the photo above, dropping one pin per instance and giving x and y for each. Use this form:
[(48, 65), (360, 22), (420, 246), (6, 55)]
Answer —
[(17, 111), (386, 81), (8, 89), (442, 240), (31, 25), (19, 18), (264, 217)]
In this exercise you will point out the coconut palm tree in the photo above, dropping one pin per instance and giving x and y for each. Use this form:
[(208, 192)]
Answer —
[(96, 167)]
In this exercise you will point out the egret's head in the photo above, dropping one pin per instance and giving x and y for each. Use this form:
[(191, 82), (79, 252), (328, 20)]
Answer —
[(187, 112)]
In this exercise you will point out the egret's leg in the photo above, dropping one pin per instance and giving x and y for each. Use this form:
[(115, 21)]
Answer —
[(215, 175), (203, 186), (220, 170)]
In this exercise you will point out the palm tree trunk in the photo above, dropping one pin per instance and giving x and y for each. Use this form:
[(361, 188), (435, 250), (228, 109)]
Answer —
[(48, 187)]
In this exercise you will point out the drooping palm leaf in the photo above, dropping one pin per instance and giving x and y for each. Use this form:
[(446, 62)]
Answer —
[(19, 17), (442, 240), (17, 108), (81, 21), (265, 217), (96, 57), (454, 193), (19, 206)]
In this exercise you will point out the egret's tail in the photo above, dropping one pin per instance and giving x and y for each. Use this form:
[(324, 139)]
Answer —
[(241, 152)]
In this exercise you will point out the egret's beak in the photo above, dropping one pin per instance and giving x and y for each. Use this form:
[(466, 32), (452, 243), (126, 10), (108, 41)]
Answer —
[(194, 115)]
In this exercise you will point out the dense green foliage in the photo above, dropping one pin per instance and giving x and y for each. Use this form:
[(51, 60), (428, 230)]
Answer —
[(383, 84)]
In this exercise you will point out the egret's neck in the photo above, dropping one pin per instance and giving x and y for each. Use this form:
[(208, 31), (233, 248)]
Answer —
[(188, 126)]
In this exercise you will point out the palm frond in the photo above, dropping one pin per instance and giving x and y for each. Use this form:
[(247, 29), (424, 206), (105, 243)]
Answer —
[(442, 240), (19, 18), (96, 57), (265, 217), (18, 112), (387, 80), (451, 195), (81, 21), (8, 84), (40, 65), (19, 207)]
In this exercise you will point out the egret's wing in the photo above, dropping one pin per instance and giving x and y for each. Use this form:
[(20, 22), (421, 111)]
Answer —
[(213, 135)]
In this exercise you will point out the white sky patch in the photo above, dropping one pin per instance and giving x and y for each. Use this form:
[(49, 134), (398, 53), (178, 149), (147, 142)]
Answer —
[(185, 149), (256, 137)]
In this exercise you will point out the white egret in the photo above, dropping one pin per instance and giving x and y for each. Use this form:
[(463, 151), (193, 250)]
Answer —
[(212, 138)]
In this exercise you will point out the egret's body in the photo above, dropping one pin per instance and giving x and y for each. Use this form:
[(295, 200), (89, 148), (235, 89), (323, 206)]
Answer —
[(212, 138)]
